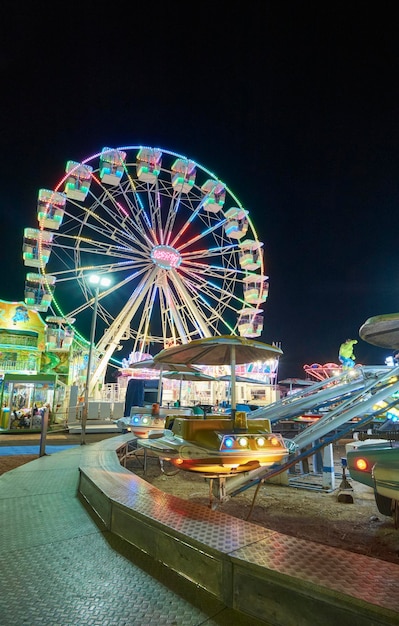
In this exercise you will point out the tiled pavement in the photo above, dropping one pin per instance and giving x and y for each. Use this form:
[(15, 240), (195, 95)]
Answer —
[(59, 567)]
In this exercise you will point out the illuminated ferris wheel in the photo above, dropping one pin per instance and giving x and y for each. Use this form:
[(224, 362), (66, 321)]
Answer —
[(180, 250)]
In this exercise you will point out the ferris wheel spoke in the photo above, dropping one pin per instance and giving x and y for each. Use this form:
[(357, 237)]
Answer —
[(204, 304), (205, 233), (133, 302), (171, 219), (115, 235), (139, 219), (115, 287), (211, 278), (155, 216), (170, 330), (143, 330), (90, 217), (175, 318), (174, 323), (197, 317), (99, 248), (219, 252), (175, 211), (217, 292), (223, 296), (206, 295), (171, 311), (115, 230), (113, 207), (214, 271), (113, 269)]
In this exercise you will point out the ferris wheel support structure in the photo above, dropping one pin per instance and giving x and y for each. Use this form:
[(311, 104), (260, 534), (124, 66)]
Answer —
[(111, 338), (181, 251)]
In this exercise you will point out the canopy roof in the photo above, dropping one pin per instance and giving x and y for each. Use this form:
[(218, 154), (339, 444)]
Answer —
[(381, 331), (218, 351)]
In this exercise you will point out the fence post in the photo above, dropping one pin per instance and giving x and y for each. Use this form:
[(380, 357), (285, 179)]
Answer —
[(43, 435), (328, 468)]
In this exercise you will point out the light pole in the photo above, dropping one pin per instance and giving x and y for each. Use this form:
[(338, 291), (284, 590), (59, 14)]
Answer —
[(97, 281)]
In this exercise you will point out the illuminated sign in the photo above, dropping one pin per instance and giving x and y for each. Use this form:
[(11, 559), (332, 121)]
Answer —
[(166, 257)]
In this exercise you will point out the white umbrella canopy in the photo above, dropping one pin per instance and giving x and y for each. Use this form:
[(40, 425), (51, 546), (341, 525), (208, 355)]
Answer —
[(241, 379), (189, 375), (221, 350), (162, 368), (150, 364), (195, 376), (218, 351)]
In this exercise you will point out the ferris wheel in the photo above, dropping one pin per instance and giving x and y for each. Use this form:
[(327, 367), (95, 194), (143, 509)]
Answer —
[(181, 252)]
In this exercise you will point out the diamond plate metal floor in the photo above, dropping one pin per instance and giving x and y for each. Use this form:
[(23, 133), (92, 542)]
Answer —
[(257, 571), (59, 567)]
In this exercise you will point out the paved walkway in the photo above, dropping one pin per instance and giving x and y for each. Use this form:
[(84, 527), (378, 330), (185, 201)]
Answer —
[(59, 567)]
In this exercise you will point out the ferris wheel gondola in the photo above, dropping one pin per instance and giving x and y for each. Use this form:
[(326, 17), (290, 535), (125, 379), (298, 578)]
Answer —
[(168, 233)]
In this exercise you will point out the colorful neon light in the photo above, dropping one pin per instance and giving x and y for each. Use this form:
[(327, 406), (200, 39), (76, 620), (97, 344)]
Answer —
[(166, 257)]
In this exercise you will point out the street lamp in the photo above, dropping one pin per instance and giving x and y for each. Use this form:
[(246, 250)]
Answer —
[(97, 281)]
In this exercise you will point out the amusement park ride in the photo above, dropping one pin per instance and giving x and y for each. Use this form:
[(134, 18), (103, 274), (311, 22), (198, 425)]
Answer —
[(375, 461), (182, 253), (188, 281), (219, 444)]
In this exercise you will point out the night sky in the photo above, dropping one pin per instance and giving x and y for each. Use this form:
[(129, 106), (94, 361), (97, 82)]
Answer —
[(294, 105)]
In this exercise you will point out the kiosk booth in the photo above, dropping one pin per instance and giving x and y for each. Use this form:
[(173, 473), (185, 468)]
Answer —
[(23, 399)]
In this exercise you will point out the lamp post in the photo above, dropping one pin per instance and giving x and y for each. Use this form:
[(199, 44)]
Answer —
[(97, 281)]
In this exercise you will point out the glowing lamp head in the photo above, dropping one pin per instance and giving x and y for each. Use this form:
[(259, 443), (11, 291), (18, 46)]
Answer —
[(361, 464), (274, 441), (243, 442), (229, 442), (100, 281), (261, 441), (392, 416)]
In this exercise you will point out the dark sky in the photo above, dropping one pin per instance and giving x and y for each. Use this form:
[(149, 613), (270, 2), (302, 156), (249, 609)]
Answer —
[(293, 104)]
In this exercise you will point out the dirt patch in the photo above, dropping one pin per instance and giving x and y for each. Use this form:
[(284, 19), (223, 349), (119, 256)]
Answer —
[(302, 509), (8, 463)]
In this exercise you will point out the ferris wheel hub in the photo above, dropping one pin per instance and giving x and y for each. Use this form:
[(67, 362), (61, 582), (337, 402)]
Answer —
[(166, 257)]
